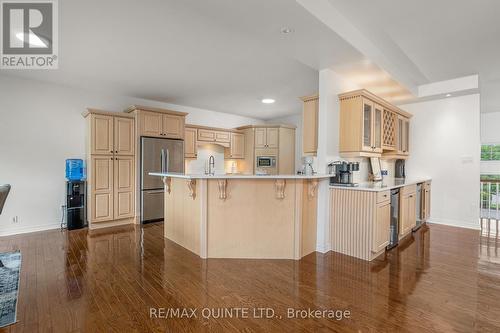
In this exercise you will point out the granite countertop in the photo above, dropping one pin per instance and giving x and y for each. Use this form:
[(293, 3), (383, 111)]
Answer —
[(236, 176), (384, 185)]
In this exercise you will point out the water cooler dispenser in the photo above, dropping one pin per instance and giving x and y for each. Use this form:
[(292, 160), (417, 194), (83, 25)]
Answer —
[(76, 208)]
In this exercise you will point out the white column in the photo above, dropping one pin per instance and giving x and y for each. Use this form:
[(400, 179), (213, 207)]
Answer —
[(330, 85)]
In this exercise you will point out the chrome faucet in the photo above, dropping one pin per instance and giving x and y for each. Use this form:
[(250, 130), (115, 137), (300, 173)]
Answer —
[(211, 165)]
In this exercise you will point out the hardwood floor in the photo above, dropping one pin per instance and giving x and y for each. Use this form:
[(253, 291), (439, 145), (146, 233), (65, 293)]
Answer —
[(443, 279)]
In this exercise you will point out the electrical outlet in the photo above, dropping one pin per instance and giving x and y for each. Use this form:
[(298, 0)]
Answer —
[(15, 219)]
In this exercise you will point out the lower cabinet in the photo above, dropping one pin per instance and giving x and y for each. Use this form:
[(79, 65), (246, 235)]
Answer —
[(407, 210), (111, 188), (359, 222), (381, 226), (426, 202)]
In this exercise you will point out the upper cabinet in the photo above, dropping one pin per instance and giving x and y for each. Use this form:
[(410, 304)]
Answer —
[(110, 134), (267, 137), (237, 148), (310, 125), (372, 127), (190, 148), (156, 122)]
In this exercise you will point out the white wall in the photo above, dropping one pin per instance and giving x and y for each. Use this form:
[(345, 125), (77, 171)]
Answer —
[(330, 85), (40, 127), (445, 145), (490, 127), (490, 133)]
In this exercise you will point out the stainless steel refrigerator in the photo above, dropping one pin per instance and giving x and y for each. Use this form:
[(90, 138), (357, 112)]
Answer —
[(157, 155)]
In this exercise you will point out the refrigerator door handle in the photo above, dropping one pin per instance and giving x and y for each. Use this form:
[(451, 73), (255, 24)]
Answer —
[(162, 160), (167, 161)]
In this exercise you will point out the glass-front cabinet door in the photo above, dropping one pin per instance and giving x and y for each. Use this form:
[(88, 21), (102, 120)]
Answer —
[(367, 143), (377, 129)]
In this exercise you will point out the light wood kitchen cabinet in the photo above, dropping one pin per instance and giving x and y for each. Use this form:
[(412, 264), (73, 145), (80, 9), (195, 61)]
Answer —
[(157, 122), (124, 189), (359, 222), (206, 135), (269, 140), (124, 141), (310, 125), (101, 188), (110, 168), (407, 210), (403, 136), (215, 136), (222, 136), (151, 124), (101, 134), (190, 147), (381, 226), (267, 137), (369, 125), (237, 149), (260, 138), (173, 126)]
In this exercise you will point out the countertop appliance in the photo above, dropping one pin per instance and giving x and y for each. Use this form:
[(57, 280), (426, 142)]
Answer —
[(400, 171), (307, 168), (394, 227), (157, 155), (342, 172), (76, 208), (266, 165)]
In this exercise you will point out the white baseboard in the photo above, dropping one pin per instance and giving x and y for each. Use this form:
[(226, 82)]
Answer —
[(457, 223), (27, 229)]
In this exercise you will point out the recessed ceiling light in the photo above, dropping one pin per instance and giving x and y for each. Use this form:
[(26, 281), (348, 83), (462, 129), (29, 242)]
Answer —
[(286, 30), (268, 101), (448, 95)]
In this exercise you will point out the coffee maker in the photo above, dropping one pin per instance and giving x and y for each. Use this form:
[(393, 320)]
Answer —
[(342, 172)]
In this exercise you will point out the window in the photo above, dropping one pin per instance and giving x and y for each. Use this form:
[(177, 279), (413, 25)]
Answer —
[(490, 152)]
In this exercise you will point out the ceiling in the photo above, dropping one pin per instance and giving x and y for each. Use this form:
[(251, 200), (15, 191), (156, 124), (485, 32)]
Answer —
[(222, 55), (227, 55), (443, 39)]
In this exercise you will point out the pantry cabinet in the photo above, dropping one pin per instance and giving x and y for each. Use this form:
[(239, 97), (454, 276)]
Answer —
[(111, 148), (190, 147), (310, 125), (370, 126)]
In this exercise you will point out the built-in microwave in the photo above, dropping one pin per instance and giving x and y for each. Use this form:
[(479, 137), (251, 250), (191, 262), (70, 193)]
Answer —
[(266, 162)]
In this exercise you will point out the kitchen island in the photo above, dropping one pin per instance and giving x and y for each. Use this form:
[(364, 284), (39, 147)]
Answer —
[(242, 216)]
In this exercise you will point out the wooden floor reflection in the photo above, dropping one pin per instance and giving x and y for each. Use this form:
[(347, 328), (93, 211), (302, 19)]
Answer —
[(442, 279)]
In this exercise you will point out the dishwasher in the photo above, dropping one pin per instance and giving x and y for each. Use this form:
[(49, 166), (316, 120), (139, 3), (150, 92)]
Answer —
[(394, 228)]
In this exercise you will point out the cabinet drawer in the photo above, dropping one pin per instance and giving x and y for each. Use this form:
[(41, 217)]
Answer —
[(206, 135), (383, 196), (410, 189), (222, 136)]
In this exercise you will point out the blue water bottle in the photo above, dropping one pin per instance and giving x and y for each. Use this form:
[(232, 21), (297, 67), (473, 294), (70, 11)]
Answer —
[(75, 169)]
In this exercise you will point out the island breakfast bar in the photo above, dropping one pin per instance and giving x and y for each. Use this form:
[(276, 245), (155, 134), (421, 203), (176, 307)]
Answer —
[(242, 216)]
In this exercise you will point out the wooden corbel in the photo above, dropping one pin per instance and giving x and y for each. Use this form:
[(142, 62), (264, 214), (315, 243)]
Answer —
[(222, 184), (280, 188), (312, 188), (191, 183), (168, 184)]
